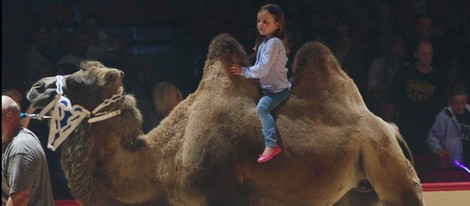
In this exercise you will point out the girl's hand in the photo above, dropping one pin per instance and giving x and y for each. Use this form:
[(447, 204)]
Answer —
[(235, 69)]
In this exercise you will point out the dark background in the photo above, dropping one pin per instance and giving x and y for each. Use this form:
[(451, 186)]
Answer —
[(172, 36)]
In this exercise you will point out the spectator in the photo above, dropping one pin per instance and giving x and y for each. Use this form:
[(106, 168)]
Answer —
[(40, 59), (349, 52), (423, 31), (381, 73), (417, 94), (98, 40), (137, 82), (77, 52), (449, 137), (165, 97), (382, 29), (25, 175), (118, 55)]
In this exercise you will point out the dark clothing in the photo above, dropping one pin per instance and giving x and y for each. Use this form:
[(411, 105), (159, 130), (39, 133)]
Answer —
[(418, 98)]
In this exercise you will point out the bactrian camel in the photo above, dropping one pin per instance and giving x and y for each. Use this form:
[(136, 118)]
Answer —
[(205, 151)]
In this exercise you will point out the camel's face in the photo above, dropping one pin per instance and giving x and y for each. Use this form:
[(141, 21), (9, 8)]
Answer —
[(88, 87)]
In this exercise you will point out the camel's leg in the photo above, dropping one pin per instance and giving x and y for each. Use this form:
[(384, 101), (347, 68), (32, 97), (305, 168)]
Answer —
[(390, 173)]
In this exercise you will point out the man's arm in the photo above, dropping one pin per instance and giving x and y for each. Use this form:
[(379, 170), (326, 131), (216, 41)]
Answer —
[(18, 199)]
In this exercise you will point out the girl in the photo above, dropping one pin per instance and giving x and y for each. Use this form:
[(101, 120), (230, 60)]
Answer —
[(270, 68)]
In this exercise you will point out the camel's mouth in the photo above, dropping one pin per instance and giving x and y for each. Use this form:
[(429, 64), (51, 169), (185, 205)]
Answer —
[(42, 92)]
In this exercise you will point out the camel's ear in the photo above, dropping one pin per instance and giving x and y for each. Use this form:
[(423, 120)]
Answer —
[(114, 75)]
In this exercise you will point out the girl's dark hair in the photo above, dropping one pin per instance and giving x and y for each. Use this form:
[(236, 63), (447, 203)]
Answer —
[(278, 15)]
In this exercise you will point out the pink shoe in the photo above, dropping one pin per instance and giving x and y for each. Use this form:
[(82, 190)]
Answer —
[(265, 158)]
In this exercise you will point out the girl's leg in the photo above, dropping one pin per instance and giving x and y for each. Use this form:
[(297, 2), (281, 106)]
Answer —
[(267, 103)]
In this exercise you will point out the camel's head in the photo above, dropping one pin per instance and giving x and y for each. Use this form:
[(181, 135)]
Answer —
[(88, 87), (226, 48)]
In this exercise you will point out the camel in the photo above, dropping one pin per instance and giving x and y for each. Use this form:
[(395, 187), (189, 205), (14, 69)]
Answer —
[(205, 151)]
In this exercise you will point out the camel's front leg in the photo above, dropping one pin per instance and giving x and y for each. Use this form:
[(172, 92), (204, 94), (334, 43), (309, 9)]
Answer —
[(391, 174)]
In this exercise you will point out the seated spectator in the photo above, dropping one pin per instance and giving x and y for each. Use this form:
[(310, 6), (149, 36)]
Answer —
[(381, 73), (98, 40), (349, 51), (449, 137), (165, 97), (41, 56), (77, 51), (118, 55)]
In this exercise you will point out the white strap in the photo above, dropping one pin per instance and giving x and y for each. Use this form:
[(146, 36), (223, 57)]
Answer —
[(105, 116)]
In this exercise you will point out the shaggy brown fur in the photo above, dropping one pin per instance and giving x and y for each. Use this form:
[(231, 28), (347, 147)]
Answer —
[(204, 152)]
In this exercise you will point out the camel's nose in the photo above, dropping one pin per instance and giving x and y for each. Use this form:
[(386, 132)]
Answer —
[(39, 87)]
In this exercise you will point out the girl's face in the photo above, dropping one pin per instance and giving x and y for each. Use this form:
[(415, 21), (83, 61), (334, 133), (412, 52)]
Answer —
[(266, 25)]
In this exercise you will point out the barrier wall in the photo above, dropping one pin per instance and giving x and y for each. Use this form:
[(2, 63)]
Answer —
[(435, 194), (446, 193)]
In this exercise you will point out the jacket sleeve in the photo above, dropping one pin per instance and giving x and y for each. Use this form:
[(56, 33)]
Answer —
[(267, 57), (437, 134)]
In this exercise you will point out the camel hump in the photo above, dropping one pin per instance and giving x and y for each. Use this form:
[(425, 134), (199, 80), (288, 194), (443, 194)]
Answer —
[(316, 70), (225, 47), (315, 60)]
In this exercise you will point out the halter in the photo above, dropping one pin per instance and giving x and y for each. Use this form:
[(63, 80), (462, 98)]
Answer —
[(66, 117)]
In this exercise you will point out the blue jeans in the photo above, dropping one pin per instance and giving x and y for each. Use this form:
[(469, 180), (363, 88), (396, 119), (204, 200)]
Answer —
[(268, 102)]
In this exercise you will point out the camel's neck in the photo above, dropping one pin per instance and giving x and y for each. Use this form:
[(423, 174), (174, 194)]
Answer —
[(217, 79), (108, 160)]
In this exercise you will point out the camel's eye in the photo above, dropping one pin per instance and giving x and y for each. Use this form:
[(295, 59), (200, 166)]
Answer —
[(110, 76), (72, 84)]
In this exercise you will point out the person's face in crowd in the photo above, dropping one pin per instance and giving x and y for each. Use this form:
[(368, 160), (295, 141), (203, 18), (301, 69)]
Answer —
[(424, 54), (383, 12), (92, 26), (399, 48), (342, 29), (419, 6), (315, 22), (424, 27), (457, 103)]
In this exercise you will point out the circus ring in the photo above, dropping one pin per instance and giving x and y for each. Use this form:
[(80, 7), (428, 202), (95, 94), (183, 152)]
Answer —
[(435, 194)]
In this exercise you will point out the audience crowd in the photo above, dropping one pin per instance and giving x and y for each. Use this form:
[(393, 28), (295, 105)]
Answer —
[(387, 47)]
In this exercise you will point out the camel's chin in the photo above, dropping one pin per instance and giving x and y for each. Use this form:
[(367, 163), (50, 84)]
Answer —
[(40, 100)]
